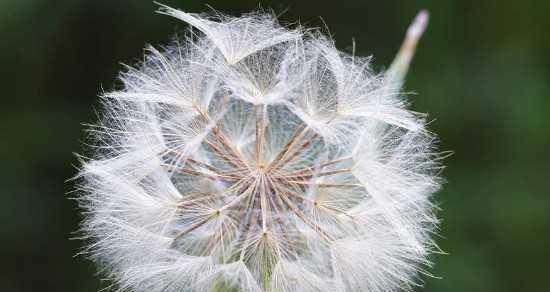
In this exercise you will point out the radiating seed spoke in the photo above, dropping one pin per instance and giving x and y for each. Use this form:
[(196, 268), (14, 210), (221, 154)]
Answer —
[(203, 165), (311, 169), (325, 185), (212, 176), (220, 137), (320, 174), (260, 112), (199, 197), (334, 161), (300, 130), (299, 150), (244, 194), (303, 217), (193, 227), (282, 195), (229, 147), (228, 157)]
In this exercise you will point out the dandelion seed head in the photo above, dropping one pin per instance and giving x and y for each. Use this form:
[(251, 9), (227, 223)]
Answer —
[(255, 157)]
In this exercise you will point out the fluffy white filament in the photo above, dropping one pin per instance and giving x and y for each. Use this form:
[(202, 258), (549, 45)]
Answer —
[(253, 157)]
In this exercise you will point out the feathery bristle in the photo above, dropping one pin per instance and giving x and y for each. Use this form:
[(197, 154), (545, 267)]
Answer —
[(253, 157)]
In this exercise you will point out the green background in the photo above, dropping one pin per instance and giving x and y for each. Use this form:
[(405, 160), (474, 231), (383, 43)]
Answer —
[(482, 72)]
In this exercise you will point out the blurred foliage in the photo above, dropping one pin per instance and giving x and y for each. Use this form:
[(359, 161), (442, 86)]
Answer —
[(482, 73)]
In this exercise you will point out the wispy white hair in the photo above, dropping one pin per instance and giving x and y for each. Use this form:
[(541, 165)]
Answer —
[(248, 156)]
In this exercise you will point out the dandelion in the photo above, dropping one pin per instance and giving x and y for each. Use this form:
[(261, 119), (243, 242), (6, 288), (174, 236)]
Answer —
[(248, 156)]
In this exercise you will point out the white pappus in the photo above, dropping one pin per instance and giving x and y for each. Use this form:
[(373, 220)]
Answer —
[(248, 156)]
